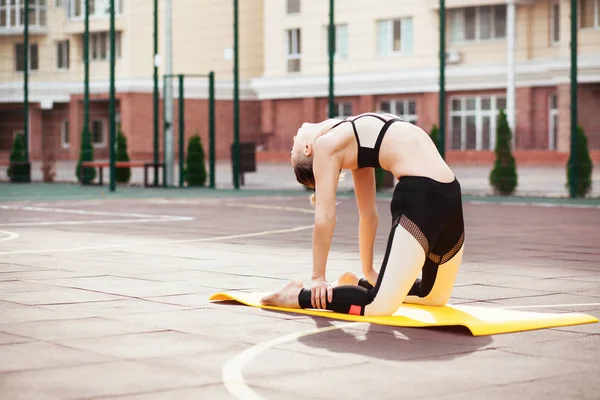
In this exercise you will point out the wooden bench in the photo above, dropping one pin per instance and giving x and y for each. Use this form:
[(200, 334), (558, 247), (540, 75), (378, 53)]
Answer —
[(119, 164)]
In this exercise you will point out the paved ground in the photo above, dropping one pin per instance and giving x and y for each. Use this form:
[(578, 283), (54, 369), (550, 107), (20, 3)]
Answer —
[(544, 181), (107, 298)]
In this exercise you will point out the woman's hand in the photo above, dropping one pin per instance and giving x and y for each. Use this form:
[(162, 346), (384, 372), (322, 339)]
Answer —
[(321, 292)]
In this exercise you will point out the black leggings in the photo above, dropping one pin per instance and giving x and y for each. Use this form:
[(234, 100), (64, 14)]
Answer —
[(430, 211)]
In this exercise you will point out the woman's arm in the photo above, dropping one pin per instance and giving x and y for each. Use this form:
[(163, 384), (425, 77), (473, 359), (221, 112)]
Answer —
[(364, 190), (326, 169)]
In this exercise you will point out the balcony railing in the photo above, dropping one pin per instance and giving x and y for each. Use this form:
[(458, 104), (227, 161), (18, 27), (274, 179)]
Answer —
[(98, 8)]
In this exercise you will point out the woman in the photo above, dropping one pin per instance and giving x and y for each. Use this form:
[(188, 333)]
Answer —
[(427, 232)]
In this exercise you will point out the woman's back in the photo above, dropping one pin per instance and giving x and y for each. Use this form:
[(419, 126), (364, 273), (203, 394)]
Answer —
[(405, 149)]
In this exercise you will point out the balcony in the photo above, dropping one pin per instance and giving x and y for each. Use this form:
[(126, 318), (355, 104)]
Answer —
[(99, 9), (99, 15), (12, 17)]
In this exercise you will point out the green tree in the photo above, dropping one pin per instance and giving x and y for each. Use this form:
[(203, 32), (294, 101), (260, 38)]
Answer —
[(503, 176), (122, 174), (435, 136), (195, 171), (86, 154), (18, 171), (580, 186)]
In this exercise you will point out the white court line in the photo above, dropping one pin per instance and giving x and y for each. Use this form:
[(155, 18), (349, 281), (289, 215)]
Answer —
[(232, 375), (166, 242), (11, 236), (139, 217), (96, 221), (551, 305), (85, 212)]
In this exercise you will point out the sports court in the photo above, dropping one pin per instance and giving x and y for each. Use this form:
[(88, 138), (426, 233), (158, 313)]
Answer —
[(107, 297)]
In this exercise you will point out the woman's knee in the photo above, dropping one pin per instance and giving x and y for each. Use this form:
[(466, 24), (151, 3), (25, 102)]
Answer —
[(381, 309)]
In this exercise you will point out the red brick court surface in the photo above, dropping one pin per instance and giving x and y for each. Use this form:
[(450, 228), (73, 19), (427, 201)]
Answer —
[(108, 298)]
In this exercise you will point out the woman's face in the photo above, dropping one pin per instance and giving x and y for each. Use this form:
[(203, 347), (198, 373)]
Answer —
[(303, 141), (306, 136)]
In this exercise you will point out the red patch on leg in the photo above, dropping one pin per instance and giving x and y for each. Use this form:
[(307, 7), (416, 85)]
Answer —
[(355, 310)]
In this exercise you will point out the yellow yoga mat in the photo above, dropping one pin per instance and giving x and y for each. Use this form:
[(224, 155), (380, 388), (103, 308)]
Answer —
[(479, 320)]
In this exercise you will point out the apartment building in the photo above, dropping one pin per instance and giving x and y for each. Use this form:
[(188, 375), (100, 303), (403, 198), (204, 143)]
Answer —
[(202, 38), (387, 60)]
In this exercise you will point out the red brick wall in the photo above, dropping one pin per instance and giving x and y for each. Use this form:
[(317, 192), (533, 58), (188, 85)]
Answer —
[(588, 113), (138, 125), (289, 116), (428, 113), (366, 103), (11, 119), (274, 122), (52, 126), (525, 111), (267, 119)]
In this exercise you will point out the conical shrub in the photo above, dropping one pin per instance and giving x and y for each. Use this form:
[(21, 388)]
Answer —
[(503, 176), (122, 174), (195, 171), (579, 180), (86, 154), (18, 171)]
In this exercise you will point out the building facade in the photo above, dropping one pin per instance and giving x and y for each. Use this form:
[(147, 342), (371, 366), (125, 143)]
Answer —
[(386, 60), (202, 37)]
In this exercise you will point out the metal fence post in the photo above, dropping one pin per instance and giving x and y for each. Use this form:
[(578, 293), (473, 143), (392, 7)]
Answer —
[(112, 98), (236, 100), (211, 127), (331, 44), (442, 95), (181, 130), (574, 172)]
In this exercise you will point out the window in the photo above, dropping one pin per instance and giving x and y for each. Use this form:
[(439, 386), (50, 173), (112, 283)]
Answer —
[(405, 109), (342, 110), (62, 54), (12, 13), (293, 50), (98, 8), (20, 57), (98, 133), (394, 36), (473, 121), (293, 6), (341, 41), (100, 45), (554, 23), (64, 134), (477, 23), (552, 121), (589, 16)]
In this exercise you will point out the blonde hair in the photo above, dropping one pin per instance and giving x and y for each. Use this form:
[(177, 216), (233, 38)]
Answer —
[(313, 197)]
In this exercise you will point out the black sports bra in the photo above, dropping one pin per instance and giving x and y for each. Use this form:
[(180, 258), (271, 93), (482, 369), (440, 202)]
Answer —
[(367, 156)]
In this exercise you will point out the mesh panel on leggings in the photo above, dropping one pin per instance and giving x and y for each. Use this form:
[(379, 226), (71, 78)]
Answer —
[(414, 230), (446, 257)]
